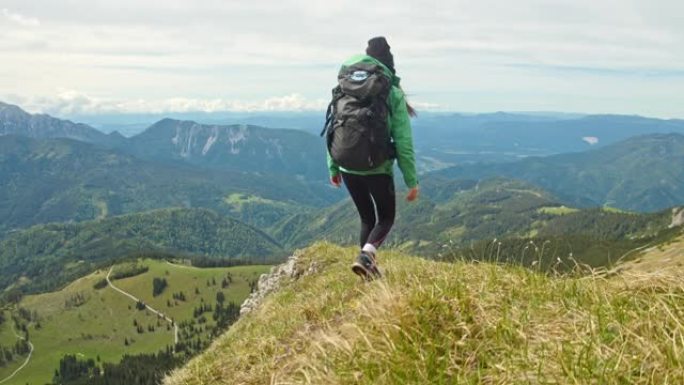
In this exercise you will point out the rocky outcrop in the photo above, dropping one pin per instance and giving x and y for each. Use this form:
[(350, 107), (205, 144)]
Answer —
[(677, 217), (268, 283)]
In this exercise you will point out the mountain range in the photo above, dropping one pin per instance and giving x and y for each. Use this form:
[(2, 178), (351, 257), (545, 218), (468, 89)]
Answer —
[(291, 153), (441, 139), (642, 173), (273, 179), (60, 180), (504, 187), (458, 138)]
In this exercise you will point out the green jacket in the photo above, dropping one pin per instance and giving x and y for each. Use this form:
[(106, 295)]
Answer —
[(400, 131)]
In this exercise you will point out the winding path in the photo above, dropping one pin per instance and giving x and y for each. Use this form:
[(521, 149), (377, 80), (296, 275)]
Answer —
[(131, 296), (150, 308), (28, 358), (180, 266)]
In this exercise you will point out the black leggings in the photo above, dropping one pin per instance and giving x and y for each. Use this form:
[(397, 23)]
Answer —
[(372, 193)]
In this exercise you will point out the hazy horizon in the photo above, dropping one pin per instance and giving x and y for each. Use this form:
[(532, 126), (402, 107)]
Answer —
[(310, 120)]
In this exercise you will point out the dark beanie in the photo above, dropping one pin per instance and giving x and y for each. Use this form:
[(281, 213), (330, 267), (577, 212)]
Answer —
[(379, 49)]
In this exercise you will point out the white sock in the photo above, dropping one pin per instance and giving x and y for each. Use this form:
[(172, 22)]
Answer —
[(369, 248)]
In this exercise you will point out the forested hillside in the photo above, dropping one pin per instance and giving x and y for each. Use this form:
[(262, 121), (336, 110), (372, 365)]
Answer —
[(456, 214), (66, 180), (46, 256), (642, 173)]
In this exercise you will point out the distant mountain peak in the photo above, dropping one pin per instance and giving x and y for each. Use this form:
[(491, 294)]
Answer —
[(239, 147), (166, 121), (116, 134), (7, 110), (14, 120)]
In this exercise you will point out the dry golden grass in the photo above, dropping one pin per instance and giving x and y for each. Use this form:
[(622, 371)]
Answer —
[(460, 323), (655, 259)]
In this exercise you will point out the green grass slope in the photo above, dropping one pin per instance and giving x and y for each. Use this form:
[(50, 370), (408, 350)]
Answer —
[(436, 323), (259, 212), (98, 326), (8, 338)]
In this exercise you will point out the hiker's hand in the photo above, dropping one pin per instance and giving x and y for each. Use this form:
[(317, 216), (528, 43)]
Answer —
[(336, 180), (412, 194)]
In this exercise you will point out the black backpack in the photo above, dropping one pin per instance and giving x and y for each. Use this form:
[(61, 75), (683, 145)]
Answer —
[(356, 123)]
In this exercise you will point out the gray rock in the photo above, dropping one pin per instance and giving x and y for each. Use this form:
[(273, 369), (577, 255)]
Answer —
[(272, 281), (677, 217)]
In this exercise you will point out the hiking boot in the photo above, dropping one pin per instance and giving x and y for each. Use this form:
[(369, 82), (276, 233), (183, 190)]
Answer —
[(365, 266)]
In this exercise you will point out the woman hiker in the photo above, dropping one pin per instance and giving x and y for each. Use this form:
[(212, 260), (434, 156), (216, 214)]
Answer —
[(371, 187)]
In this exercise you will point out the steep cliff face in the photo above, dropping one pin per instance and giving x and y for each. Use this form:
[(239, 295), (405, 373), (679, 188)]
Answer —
[(239, 147)]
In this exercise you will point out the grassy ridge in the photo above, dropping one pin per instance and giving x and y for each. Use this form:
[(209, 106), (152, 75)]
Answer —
[(99, 326), (437, 323)]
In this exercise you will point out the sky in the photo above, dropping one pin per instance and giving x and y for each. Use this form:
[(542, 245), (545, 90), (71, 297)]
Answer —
[(81, 57)]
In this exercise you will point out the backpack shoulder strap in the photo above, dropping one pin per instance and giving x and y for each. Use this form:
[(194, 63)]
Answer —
[(330, 113)]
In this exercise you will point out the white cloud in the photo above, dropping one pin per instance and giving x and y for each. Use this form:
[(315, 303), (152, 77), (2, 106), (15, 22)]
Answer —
[(71, 102), (19, 18), (425, 106), (592, 140), (476, 55)]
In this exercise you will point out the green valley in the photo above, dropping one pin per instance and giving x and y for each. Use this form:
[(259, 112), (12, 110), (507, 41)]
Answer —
[(96, 322)]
